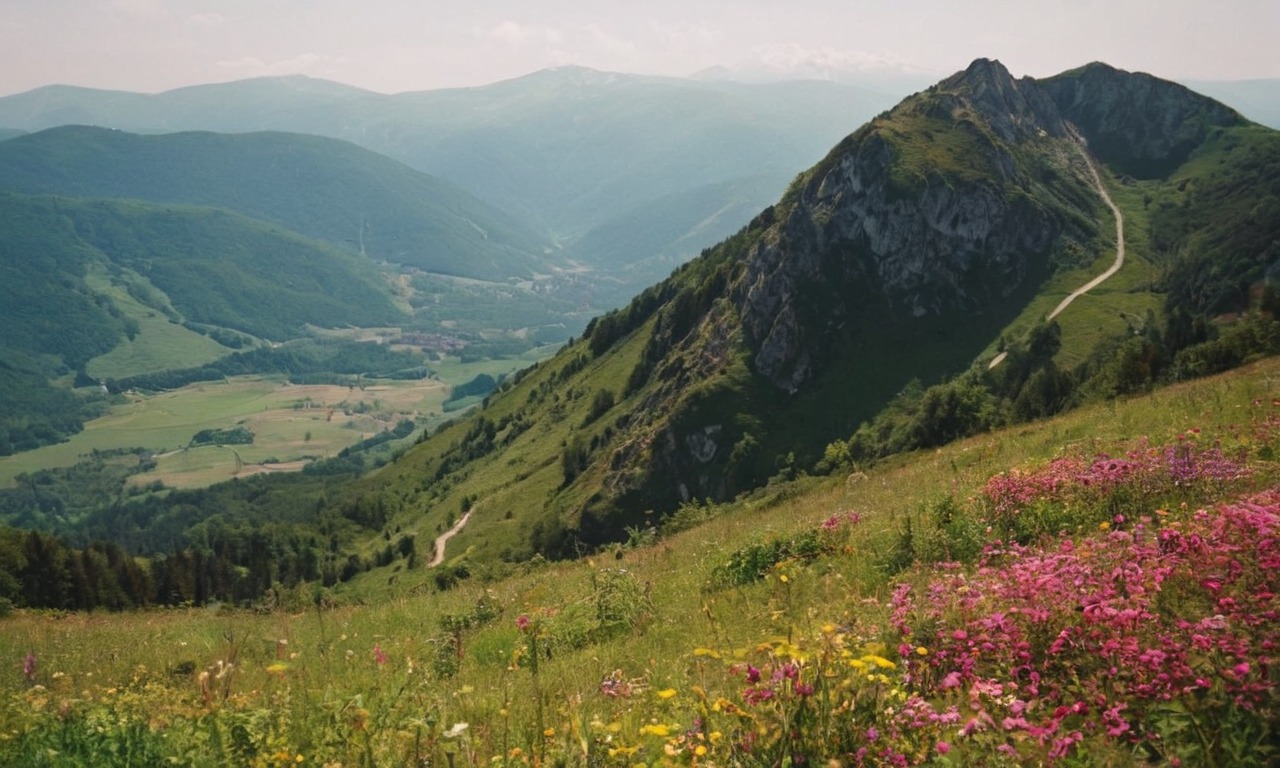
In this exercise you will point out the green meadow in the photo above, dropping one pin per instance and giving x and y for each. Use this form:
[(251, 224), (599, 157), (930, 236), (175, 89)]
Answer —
[(759, 632)]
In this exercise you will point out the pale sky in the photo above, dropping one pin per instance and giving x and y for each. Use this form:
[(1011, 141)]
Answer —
[(402, 45)]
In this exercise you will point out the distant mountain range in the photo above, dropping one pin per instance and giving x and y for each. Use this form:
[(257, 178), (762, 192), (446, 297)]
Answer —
[(895, 296), (583, 157), (322, 188), (919, 242)]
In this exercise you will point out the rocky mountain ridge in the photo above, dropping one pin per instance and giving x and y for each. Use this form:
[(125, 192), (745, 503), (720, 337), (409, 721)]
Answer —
[(932, 222), (956, 239)]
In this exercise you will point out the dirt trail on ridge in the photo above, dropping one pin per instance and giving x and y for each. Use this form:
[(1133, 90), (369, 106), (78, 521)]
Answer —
[(1115, 266)]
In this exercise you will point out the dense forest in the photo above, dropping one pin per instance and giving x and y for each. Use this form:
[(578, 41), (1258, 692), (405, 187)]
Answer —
[(199, 546)]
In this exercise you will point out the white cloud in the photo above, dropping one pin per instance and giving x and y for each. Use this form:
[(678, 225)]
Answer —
[(509, 32), (513, 33)]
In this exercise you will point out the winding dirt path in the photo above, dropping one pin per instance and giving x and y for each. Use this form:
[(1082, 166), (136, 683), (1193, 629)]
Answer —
[(1119, 262), (443, 539), (1115, 266)]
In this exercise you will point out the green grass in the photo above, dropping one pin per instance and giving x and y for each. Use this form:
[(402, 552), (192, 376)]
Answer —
[(515, 485), (1110, 309), (309, 682), (165, 424), (160, 344), (928, 146)]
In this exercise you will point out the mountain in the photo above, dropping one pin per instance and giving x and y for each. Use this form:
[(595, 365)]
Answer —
[(269, 102), (579, 153), (903, 255), (856, 317), (321, 188)]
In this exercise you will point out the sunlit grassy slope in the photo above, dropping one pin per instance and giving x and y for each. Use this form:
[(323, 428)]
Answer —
[(647, 653)]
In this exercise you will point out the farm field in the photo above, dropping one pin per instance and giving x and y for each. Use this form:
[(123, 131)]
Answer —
[(291, 424)]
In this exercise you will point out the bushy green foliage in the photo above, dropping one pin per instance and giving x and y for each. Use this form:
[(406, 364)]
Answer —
[(601, 402), (309, 361), (229, 436), (753, 562), (481, 385)]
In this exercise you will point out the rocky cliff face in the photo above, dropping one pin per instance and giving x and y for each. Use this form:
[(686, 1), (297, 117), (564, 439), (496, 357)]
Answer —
[(1139, 124), (931, 209), (945, 213)]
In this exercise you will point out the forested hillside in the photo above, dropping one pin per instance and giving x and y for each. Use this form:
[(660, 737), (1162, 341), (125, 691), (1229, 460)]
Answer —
[(329, 190), (212, 270)]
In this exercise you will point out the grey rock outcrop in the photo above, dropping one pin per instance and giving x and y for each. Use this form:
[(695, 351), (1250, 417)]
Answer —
[(954, 241)]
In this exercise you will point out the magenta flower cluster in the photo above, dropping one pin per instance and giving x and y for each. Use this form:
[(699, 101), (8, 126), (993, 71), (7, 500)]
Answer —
[(1143, 476), (1039, 650)]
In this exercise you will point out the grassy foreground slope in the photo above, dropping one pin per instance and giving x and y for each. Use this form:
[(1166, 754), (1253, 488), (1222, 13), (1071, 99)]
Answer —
[(1096, 589)]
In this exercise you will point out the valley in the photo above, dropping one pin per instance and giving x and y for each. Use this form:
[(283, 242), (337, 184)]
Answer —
[(329, 460), (291, 424)]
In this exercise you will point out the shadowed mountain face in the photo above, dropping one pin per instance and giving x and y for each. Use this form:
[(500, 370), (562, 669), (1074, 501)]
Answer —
[(1136, 123)]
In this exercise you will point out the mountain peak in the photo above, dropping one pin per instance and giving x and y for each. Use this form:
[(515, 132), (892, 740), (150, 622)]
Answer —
[(1015, 108), (983, 71), (1138, 123)]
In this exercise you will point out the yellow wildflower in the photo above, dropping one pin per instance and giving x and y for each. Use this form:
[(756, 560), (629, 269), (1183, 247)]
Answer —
[(666, 693)]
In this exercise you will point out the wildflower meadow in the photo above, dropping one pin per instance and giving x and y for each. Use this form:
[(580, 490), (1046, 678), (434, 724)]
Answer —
[(1100, 603)]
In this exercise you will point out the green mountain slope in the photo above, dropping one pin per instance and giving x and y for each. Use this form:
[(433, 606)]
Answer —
[(321, 188), (902, 256), (1258, 100), (207, 268), (854, 318)]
